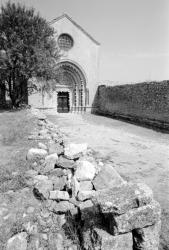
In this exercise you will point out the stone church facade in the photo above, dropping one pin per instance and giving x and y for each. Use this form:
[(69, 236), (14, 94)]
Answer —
[(77, 69)]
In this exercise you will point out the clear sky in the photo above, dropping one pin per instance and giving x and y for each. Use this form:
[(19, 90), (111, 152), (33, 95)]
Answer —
[(134, 34)]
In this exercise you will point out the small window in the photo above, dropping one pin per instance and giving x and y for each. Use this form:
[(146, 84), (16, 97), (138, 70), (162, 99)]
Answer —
[(65, 42)]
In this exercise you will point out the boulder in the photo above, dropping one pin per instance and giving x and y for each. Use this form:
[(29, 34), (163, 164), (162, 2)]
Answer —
[(59, 195), (86, 195), (147, 238), (35, 154), (55, 148), (42, 146), (61, 207), (120, 199), (50, 161), (59, 183), (42, 189), (85, 171), (17, 242), (73, 151), (135, 218), (59, 172), (107, 178), (86, 186), (63, 162), (103, 240)]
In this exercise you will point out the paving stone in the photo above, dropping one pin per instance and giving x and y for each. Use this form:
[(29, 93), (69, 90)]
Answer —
[(135, 218), (147, 238), (17, 242), (103, 240), (73, 151), (120, 199), (85, 171), (35, 154), (59, 195), (107, 178)]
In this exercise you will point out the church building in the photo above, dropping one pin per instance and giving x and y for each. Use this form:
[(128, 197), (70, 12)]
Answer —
[(77, 69)]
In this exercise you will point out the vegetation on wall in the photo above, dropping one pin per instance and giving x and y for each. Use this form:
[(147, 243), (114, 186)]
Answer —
[(142, 102)]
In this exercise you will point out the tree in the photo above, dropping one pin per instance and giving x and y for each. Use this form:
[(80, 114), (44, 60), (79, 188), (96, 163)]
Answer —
[(30, 49)]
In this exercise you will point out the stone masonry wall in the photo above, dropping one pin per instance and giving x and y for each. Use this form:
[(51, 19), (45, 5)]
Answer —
[(83, 203), (145, 103)]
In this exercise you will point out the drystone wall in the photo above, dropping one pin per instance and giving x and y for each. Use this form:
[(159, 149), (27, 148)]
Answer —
[(145, 103), (83, 203)]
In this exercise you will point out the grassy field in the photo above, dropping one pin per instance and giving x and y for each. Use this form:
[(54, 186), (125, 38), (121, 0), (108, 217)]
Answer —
[(14, 129)]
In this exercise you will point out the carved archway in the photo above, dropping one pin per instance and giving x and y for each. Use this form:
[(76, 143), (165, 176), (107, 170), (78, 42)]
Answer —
[(72, 79)]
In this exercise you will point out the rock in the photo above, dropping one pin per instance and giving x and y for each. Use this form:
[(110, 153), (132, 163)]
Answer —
[(59, 172), (35, 154), (133, 219), (61, 207), (74, 186), (39, 178), (50, 161), (107, 178), (86, 195), (56, 241), (55, 148), (62, 162), (59, 183), (41, 116), (103, 240), (30, 228), (42, 146), (17, 242), (73, 151), (85, 171), (31, 173), (59, 195), (147, 238), (42, 189), (86, 186), (120, 199)]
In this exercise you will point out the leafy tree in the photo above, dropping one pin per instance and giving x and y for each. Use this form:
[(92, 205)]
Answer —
[(30, 49)]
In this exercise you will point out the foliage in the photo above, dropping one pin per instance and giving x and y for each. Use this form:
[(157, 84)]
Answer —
[(28, 48)]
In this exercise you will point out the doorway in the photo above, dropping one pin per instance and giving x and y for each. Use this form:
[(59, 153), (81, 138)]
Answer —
[(63, 102)]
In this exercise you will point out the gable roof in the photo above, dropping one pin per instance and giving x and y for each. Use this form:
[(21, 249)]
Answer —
[(77, 25)]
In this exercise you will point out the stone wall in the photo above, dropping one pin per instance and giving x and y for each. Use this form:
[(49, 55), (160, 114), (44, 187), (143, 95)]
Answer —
[(146, 103)]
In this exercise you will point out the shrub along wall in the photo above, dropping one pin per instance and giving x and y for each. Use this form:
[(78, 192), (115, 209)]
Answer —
[(146, 103)]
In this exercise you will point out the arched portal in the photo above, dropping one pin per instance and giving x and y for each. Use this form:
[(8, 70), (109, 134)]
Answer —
[(71, 82)]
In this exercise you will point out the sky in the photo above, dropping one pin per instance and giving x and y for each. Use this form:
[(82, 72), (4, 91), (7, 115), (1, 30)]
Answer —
[(134, 34)]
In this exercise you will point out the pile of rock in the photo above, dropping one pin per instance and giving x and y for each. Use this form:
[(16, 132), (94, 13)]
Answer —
[(68, 180)]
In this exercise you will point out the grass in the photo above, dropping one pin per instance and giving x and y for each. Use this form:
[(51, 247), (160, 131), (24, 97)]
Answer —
[(14, 130)]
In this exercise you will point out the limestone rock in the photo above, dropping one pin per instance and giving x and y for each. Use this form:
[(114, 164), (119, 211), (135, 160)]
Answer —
[(55, 148), (135, 218), (85, 171), (74, 186), (56, 241), (86, 186), (63, 162), (73, 151), (42, 146), (61, 207), (120, 199), (86, 195), (59, 195), (50, 161), (36, 154), (103, 240), (59, 182), (17, 242), (107, 178), (147, 238), (42, 189), (59, 172)]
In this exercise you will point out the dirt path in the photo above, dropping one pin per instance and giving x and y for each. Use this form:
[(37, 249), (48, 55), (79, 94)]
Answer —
[(137, 153)]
